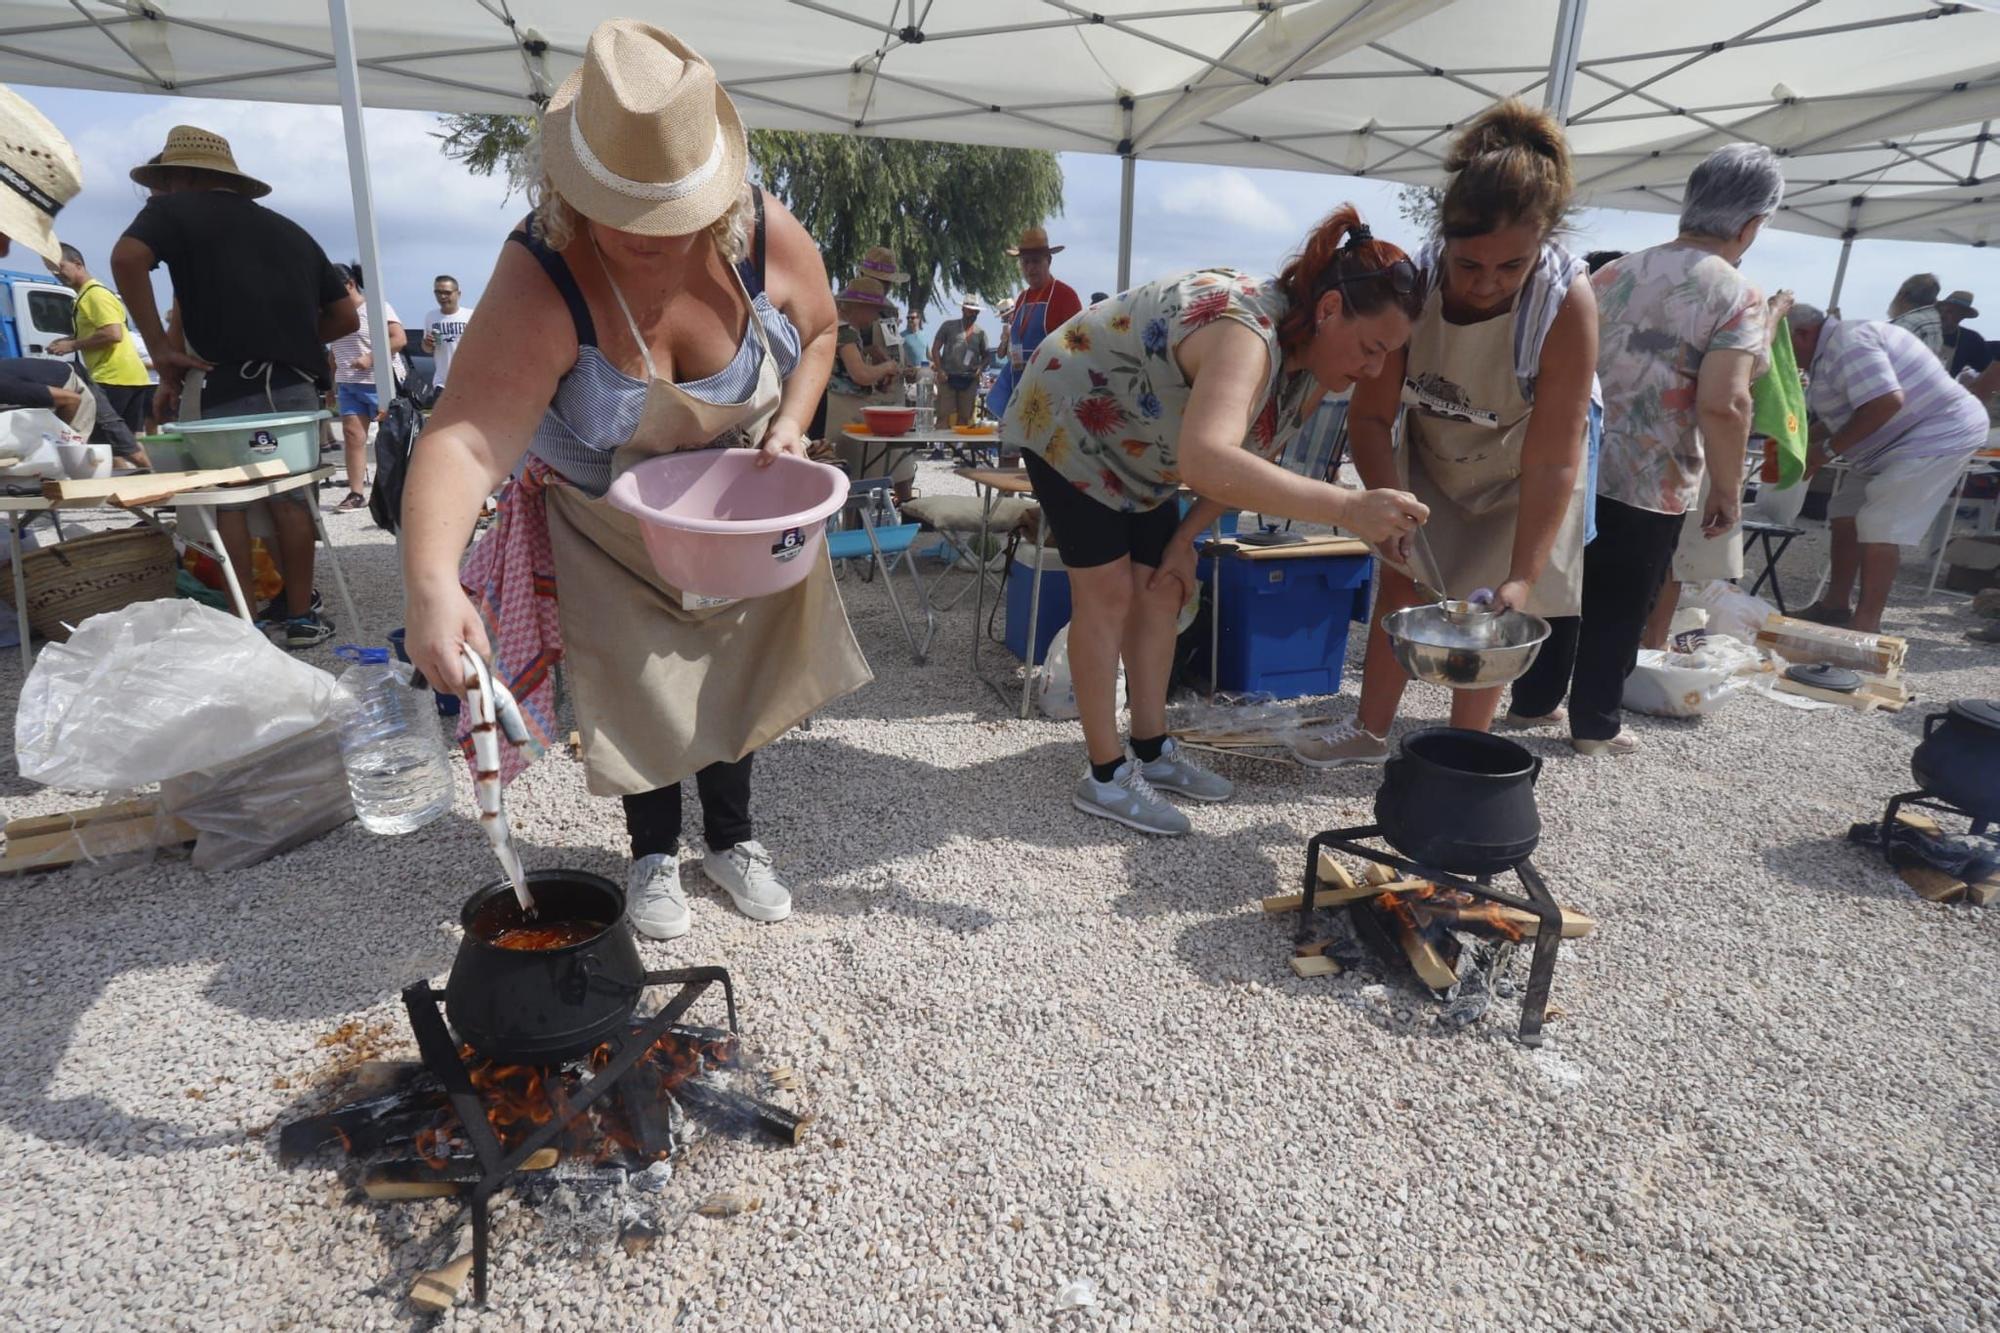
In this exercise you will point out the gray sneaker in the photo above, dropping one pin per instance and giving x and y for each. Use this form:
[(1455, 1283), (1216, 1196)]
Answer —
[(654, 898), (1173, 771), (745, 872), (1130, 800)]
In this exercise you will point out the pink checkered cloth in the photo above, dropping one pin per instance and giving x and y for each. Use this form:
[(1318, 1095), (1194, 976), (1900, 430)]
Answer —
[(510, 575)]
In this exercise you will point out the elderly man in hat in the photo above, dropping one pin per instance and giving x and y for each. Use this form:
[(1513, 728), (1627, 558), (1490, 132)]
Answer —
[(1044, 306), (259, 301), (1964, 349), (960, 353), (1906, 430)]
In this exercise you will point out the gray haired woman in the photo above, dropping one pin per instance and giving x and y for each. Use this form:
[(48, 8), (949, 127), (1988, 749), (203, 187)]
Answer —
[(1680, 337)]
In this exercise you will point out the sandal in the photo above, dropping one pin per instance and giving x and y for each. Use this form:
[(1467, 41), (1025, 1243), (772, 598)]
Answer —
[(1825, 615), (354, 500)]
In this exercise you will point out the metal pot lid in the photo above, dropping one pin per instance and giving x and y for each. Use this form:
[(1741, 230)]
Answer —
[(1825, 676), (1979, 712)]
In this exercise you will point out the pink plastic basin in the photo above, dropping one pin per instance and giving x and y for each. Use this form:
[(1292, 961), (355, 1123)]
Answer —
[(717, 525)]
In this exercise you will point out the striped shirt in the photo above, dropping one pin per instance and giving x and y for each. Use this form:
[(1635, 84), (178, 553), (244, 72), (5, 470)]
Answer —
[(1857, 361)]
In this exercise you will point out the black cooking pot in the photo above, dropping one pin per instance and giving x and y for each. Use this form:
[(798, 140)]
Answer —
[(1460, 801), (544, 1006), (1959, 758)]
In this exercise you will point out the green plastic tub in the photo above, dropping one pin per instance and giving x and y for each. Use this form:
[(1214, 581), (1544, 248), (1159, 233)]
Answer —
[(167, 452), (291, 437)]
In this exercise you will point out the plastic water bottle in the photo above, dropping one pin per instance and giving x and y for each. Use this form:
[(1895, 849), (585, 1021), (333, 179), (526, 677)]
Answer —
[(926, 398), (390, 744)]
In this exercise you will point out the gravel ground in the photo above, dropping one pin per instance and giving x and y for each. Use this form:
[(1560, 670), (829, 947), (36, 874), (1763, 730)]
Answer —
[(1043, 1049)]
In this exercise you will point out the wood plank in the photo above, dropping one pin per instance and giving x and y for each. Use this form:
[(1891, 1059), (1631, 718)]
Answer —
[(1425, 959), (1922, 823), (1318, 545), (53, 851), (438, 1290), (1575, 925), (414, 1178), (1858, 701), (1983, 893), (1934, 885), (1332, 897), (1315, 965), (35, 825), (110, 490)]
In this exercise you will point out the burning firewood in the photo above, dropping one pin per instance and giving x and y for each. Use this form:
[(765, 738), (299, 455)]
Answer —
[(730, 1111), (1463, 912), (417, 1178)]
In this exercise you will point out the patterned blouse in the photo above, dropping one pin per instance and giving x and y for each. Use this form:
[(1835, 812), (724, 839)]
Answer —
[(1103, 396)]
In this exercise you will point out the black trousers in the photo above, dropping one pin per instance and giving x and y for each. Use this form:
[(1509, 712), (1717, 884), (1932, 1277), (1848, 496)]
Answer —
[(653, 819), (1623, 571)]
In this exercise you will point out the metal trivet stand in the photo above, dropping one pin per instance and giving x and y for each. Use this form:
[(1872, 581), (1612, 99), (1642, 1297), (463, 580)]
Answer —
[(1930, 801), (497, 1165), (1539, 902)]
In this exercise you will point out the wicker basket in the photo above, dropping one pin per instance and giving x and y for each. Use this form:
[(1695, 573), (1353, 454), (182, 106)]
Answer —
[(74, 580)]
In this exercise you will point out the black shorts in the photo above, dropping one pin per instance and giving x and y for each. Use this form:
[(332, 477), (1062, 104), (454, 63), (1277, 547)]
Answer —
[(131, 400), (1088, 533)]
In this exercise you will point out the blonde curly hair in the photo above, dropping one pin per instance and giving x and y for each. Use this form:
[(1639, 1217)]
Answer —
[(557, 222)]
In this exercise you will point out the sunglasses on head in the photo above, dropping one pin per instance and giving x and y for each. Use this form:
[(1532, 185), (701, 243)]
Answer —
[(1401, 277)]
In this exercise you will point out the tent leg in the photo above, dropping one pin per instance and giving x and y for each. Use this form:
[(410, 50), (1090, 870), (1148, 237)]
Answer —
[(1127, 170), (349, 77), (1563, 58), (1840, 274)]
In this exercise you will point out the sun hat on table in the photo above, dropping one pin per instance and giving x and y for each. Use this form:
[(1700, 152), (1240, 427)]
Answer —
[(642, 137), (39, 172)]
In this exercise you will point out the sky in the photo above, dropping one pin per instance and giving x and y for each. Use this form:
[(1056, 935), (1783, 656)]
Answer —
[(435, 217)]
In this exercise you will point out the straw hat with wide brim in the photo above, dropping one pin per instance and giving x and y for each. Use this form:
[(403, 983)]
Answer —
[(642, 137), (39, 173), (1035, 241), (879, 263), (862, 291), (1962, 297), (203, 150)]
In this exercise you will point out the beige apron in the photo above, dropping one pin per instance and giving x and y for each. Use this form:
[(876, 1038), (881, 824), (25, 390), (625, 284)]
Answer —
[(667, 683), (1461, 456)]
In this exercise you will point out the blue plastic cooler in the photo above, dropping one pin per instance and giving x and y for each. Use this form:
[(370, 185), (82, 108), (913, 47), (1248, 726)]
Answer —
[(1284, 621)]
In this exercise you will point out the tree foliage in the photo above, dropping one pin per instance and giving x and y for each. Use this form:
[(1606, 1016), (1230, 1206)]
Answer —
[(949, 211), (1419, 206)]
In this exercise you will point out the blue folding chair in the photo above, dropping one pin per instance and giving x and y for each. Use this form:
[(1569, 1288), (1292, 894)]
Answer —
[(884, 548)]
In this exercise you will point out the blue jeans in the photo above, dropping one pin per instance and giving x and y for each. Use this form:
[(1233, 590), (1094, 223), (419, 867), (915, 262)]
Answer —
[(359, 400)]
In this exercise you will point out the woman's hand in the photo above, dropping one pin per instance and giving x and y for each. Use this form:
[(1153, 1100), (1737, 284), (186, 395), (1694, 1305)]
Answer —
[(174, 363), (1381, 516), (1177, 565), (438, 625), (1512, 595), (781, 437), (366, 361), (1779, 306)]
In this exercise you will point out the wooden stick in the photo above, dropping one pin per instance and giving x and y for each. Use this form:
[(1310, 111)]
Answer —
[(36, 825), (134, 484), (1328, 897), (111, 837), (1475, 914), (414, 1178), (1935, 885), (1316, 965)]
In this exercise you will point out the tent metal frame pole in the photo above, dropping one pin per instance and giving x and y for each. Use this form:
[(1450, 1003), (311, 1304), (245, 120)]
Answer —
[(1563, 58), (1846, 248), (1128, 165), (348, 73)]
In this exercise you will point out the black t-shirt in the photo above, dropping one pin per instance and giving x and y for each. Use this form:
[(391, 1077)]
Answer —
[(251, 283), (1969, 349)]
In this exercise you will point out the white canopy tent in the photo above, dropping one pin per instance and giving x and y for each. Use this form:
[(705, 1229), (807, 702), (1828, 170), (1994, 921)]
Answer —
[(1881, 106)]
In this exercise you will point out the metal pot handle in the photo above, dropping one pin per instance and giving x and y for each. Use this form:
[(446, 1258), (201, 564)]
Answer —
[(1933, 718)]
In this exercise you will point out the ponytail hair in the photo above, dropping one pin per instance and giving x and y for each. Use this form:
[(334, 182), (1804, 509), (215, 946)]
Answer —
[(1509, 165), (1334, 254)]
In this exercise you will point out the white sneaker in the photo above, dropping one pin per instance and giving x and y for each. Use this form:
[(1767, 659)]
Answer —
[(1346, 742), (1130, 800), (1513, 721), (654, 898), (745, 873), (1623, 743)]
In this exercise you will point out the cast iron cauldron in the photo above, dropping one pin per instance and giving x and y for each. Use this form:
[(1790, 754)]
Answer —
[(544, 1006), (1460, 801), (1959, 758)]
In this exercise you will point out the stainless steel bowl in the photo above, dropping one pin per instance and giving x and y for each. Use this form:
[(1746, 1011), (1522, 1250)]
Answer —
[(1433, 646)]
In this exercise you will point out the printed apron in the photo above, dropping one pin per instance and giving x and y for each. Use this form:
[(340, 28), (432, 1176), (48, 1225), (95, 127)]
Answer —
[(1461, 456), (667, 683), (1026, 328)]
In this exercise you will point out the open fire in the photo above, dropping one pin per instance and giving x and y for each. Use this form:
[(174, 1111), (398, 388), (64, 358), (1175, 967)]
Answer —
[(459, 1125)]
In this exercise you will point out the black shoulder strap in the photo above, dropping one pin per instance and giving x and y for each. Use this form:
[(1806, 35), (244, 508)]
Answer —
[(557, 268), (752, 267)]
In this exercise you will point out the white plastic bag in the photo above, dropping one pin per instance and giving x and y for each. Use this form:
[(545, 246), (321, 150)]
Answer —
[(33, 435), (1669, 684), (1055, 692), (268, 803), (1731, 611), (158, 689)]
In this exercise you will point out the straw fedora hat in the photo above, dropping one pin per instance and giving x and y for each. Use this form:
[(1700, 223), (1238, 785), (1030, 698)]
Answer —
[(880, 264), (642, 137), (1035, 240), (40, 174), (862, 291), (1964, 298), (204, 150)]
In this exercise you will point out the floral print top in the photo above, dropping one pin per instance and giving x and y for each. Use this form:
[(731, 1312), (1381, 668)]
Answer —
[(1103, 396)]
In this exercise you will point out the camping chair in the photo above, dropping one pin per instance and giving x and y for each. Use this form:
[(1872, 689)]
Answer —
[(884, 548)]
